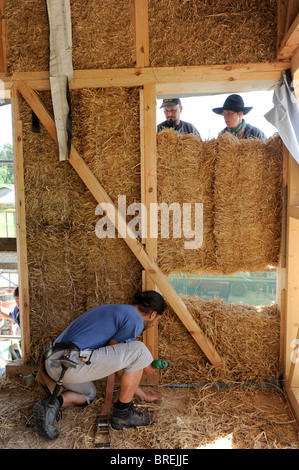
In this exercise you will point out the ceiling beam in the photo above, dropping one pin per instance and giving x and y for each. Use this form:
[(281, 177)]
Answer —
[(204, 79)]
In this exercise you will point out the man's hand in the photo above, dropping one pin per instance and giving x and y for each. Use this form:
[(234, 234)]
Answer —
[(142, 396)]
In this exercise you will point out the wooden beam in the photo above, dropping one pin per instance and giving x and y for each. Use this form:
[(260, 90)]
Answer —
[(202, 79), (21, 226), (290, 42), (149, 195), (292, 290), (281, 21), (291, 12), (102, 197)]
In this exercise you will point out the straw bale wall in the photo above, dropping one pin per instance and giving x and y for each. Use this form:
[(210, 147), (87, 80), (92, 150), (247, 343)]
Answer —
[(101, 34), (180, 33), (239, 183), (246, 338), (211, 32), (70, 268)]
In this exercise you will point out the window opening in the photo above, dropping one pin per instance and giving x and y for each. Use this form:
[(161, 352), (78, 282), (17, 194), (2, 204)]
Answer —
[(245, 288), (198, 111)]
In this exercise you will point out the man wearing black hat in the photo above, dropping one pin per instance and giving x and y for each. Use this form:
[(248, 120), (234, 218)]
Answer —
[(233, 111), (172, 110)]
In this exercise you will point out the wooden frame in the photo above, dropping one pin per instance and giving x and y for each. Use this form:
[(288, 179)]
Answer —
[(192, 80), (21, 224), (137, 248)]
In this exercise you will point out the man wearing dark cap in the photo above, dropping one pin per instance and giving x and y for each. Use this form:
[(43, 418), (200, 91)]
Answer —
[(172, 110), (233, 111)]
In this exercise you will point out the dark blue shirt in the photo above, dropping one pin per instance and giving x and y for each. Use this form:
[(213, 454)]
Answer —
[(94, 328), (250, 132), (182, 128)]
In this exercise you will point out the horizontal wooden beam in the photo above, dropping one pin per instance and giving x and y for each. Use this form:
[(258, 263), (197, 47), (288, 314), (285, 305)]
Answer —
[(290, 42), (187, 80), (102, 197)]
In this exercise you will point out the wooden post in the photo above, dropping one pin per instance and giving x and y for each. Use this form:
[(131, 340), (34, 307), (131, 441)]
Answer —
[(21, 226), (148, 159), (139, 11), (149, 196), (102, 197), (292, 291)]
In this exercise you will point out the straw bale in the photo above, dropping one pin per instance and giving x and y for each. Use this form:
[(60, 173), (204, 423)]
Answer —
[(181, 33), (106, 132), (239, 183), (248, 181), (211, 32), (57, 293), (101, 34), (185, 175), (246, 338)]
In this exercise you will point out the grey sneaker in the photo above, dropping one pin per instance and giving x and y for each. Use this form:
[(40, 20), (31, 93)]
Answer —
[(130, 418), (45, 417)]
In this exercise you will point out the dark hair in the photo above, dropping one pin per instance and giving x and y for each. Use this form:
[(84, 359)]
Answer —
[(16, 292), (150, 301)]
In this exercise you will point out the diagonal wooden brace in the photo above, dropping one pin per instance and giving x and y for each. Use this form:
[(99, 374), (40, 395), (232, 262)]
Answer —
[(137, 248)]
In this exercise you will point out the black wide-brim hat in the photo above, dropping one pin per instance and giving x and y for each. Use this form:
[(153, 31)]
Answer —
[(233, 103)]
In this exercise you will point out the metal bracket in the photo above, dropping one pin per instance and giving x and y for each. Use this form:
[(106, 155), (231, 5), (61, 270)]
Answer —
[(102, 438)]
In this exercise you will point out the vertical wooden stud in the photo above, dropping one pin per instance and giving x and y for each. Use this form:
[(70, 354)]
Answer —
[(21, 225), (139, 13), (149, 195)]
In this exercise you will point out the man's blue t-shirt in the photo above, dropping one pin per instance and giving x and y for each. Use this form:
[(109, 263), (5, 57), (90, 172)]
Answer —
[(94, 328)]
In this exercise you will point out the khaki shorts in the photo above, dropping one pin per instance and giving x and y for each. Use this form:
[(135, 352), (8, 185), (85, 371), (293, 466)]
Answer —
[(128, 357)]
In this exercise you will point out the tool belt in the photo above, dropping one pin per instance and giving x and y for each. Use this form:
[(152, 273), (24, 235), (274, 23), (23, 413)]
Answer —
[(60, 347)]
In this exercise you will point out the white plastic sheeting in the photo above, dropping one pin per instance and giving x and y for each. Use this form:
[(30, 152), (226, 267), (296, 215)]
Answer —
[(285, 115)]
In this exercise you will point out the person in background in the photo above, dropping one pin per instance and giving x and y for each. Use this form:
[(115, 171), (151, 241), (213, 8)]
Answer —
[(233, 111), (172, 110), (14, 314)]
